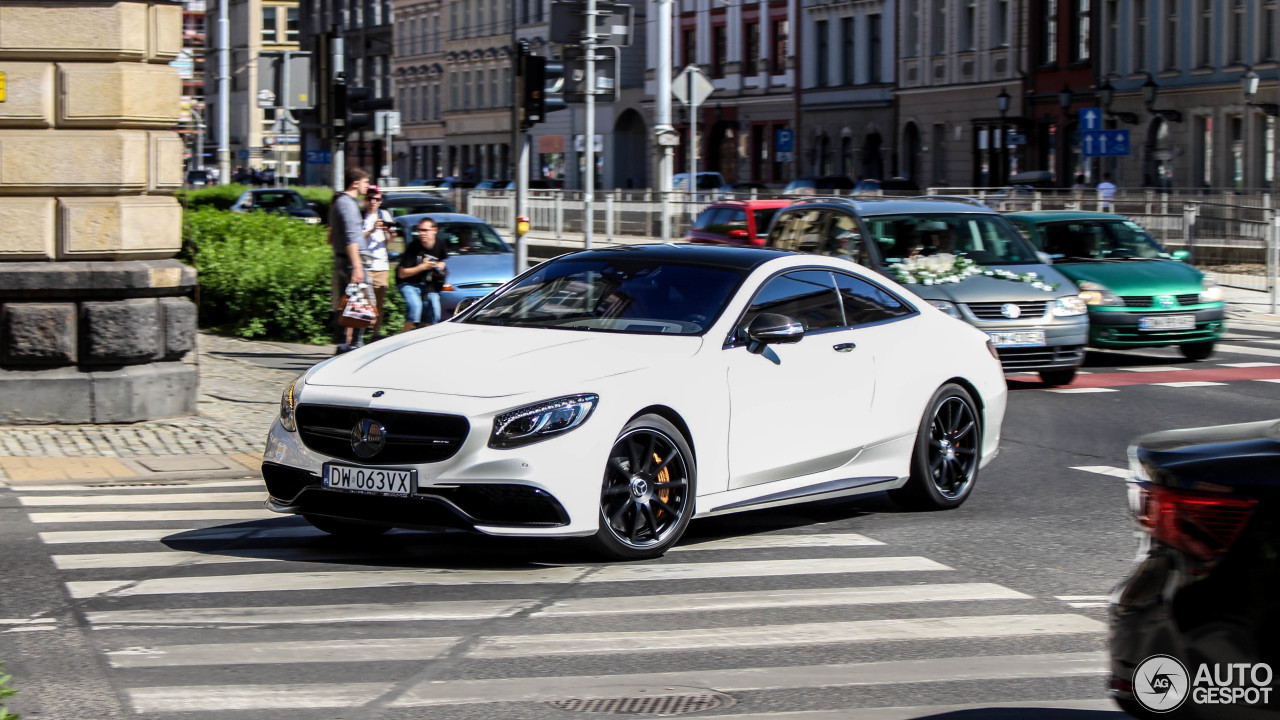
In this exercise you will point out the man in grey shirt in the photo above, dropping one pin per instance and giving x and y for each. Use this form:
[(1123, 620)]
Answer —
[(346, 233)]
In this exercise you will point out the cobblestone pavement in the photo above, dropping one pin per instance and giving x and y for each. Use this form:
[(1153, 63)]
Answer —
[(238, 399)]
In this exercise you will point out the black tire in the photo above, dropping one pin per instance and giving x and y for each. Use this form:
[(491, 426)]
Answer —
[(346, 528), (944, 464), (1058, 377), (1196, 351), (646, 500)]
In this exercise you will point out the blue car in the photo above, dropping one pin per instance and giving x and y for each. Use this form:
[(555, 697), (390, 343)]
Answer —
[(479, 259)]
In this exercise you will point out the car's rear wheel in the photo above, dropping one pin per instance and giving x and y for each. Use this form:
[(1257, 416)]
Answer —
[(1058, 377), (345, 528), (944, 465), (646, 501), (1196, 351)]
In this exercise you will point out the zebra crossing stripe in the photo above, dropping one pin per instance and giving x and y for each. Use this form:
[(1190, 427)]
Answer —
[(185, 498), (149, 516), (275, 582), (764, 542), (1122, 473), (921, 712), (311, 614), (670, 640), (298, 651), (230, 698), (72, 537), (1081, 390), (113, 488)]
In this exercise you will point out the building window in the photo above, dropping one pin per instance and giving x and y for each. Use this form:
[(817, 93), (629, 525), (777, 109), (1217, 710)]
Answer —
[(690, 46), (291, 25), (1204, 43), (453, 92), (493, 88), (454, 27), (1235, 48), (466, 90), (435, 100), (1049, 33), (1080, 29), (424, 110), (719, 50), (1267, 46), (780, 30), (846, 51), (1268, 135), (524, 11), (412, 102), (969, 26), (821, 63), (1111, 19), (1204, 128), (913, 28), (1171, 36), (1000, 23), (269, 25), (537, 10), (1236, 123), (751, 61), (874, 49), (268, 120), (938, 28), (1140, 35)]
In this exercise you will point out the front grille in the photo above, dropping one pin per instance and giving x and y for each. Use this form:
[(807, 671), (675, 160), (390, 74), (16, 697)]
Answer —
[(1136, 300), (460, 507), (1037, 358), (412, 437), (1192, 299), (424, 512), (992, 310)]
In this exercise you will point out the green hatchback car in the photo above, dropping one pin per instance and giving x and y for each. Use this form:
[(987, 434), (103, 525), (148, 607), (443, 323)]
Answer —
[(1139, 295)]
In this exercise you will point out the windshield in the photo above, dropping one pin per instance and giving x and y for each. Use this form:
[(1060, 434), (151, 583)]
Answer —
[(764, 216), (471, 239), (628, 296), (279, 201), (1100, 240), (984, 239)]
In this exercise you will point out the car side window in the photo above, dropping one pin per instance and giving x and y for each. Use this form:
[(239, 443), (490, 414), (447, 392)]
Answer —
[(806, 295), (783, 229), (735, 220), (704, 220), (865, 302), (844, 240)]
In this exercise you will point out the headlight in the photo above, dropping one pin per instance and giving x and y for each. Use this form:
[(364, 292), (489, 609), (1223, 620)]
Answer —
[(946, 307), (1210, 290), (1095, 294), (287, 420), (1070, 306), (312, 220), (532, 423)]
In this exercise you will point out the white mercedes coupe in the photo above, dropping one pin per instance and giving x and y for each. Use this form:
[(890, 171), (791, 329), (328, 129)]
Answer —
[(617, 394)]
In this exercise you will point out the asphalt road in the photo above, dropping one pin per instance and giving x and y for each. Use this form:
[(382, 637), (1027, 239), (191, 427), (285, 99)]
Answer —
[(190, 602)]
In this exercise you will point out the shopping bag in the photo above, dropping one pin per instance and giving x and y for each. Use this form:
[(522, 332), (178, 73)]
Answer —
[(357, 308)]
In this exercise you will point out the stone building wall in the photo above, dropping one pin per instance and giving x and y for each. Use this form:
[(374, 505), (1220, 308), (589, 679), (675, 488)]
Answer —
[(95, 316)]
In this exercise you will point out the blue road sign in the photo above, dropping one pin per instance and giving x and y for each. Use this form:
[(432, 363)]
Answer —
[(1091, 119), (783, 140), (319, 157), (1104, 143), (243, 154)]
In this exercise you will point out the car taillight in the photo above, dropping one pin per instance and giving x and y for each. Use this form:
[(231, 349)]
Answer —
[(1202, 525)]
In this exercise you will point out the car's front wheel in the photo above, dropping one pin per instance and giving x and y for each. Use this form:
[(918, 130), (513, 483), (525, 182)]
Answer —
[(1196, 351), (345, 528), (646, 501), (944, 465)]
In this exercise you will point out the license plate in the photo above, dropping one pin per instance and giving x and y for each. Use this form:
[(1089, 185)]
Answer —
[(1018, 338), (378, 481), (1167, 322)]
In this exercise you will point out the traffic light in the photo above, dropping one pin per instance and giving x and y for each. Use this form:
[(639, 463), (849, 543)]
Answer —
[(348, 108), (543, 88)]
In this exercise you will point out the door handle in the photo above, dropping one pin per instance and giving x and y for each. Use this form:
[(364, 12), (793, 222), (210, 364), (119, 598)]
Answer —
[(844, 347)]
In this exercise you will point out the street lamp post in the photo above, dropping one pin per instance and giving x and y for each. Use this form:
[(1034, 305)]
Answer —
[(1249, 85), (1106, 94), (1002, 102), (1149, 91)]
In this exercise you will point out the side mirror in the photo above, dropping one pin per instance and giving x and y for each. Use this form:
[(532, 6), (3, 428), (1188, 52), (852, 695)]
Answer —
[(464, 305), (771, 328), (1045, 258), (1181, 255), (738, 234)]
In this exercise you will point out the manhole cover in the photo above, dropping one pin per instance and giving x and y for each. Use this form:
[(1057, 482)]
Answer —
[(646, 704)]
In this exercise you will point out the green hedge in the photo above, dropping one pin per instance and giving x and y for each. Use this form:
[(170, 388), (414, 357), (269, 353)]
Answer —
[(265, 276), (223, 197), (6, 691)]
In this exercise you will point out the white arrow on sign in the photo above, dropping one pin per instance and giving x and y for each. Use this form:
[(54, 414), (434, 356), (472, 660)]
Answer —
[(1090, 119), (1102, 143), (1088, 144)]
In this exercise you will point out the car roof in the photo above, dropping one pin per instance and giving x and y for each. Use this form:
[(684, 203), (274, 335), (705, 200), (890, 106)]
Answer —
[(414, 196), (441, 217), (751, 204), (1063, 215), (924, 205), (736, 258)]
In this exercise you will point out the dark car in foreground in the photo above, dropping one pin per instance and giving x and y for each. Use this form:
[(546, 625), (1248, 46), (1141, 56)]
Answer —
[(280, 201), (479, 259), (1202, 598)]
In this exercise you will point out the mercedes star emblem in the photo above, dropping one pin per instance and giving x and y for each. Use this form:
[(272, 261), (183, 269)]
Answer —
[(368, 437)]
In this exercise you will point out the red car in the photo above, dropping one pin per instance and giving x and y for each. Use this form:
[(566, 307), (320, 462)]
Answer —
[(735, 222)]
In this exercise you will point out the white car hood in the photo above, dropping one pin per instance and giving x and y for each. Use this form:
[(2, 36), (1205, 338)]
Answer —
[(490, 362)]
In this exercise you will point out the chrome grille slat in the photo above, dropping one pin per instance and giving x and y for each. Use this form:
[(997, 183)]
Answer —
[(991, 310)]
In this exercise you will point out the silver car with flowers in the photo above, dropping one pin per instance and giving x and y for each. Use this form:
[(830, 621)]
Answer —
[(963, 258)]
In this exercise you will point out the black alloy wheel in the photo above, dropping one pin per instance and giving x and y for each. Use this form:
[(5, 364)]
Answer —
[(346, 528), (944, 466), (647, 498), (1196, 351)]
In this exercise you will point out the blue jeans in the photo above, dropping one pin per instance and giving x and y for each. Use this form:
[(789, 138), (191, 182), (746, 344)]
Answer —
[(414, 297)]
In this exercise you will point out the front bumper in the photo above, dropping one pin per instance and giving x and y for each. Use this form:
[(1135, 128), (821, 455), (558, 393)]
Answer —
[(1118, 328), (1064, 339)]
